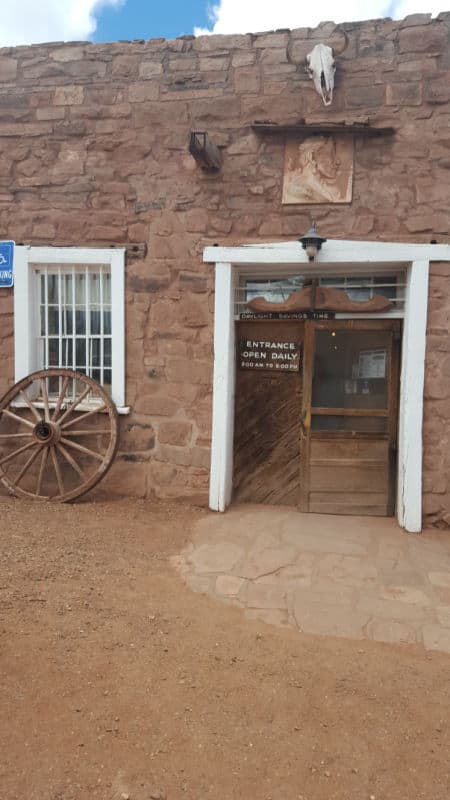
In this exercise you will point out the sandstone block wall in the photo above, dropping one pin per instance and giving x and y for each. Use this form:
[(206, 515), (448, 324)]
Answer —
[(93, 151)]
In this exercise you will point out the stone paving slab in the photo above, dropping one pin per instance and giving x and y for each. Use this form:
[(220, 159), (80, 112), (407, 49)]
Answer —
[(351, 577)]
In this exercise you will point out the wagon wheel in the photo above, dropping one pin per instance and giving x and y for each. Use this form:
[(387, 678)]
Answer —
[(58, 435)]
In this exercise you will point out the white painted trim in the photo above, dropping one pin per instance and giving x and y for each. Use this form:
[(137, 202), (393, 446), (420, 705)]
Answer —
[(409, 480), (70, 255), (25, 305), (25, 323), (220, 487), (359, 257), (334, 251), (117, 261)]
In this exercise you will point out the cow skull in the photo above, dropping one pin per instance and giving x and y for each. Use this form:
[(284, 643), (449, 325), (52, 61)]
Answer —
[(321, 68)]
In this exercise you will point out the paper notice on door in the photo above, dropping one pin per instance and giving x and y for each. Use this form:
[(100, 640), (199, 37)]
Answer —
[(372, 364)]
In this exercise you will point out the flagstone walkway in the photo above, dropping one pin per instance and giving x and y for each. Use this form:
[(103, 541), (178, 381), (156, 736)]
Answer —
[(353, 577)]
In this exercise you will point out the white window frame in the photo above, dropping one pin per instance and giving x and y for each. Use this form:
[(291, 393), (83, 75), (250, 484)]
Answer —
[(26, 324), (361, 257)]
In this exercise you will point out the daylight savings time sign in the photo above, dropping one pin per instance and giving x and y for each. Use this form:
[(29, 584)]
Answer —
[(270, 356)]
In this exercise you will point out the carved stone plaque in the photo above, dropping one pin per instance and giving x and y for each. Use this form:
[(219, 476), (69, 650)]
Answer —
[(318, 169)]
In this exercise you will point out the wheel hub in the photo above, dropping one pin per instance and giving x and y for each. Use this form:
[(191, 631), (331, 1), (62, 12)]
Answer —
[(46, 432)]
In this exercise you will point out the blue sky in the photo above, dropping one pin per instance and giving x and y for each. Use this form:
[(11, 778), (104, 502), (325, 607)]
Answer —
[(138, 19), (33, 21)]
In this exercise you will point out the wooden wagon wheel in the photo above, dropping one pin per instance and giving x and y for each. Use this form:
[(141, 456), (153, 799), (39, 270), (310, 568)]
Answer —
[(58, 435)]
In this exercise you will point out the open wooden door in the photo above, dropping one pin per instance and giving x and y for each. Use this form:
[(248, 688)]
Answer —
[(349, 417)]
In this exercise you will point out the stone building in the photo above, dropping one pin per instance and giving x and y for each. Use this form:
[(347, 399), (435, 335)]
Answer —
[(97, 177)]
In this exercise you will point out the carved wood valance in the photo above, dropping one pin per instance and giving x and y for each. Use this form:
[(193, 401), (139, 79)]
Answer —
[(322, 298)]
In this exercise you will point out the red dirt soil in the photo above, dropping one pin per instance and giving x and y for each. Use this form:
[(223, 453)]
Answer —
[(116, 681)]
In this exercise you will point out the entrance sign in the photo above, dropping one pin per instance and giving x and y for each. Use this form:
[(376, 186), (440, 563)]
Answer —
[(6, 264), (270, 356)]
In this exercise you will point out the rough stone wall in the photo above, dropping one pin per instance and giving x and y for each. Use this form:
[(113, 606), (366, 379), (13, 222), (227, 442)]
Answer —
[(93, 151)]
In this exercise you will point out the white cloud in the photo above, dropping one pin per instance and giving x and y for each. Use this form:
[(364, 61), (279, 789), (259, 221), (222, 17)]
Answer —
[(242, 16), (32, 21)]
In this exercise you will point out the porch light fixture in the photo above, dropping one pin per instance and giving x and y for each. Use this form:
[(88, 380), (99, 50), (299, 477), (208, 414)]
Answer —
[(312, 242)]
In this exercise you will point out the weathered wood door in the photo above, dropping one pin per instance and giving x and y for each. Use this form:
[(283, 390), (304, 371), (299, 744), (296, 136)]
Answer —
[(322, 437), (349, 417), (267, 434)]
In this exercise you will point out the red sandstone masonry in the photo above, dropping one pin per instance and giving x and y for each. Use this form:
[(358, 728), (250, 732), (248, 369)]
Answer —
[(93, 151)]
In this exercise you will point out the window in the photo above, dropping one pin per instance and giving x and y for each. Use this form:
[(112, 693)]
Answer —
[(357, 287), (69, 312), (75, 319)]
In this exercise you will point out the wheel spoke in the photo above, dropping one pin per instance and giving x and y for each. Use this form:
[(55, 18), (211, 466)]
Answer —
[(82, 449), (57, 470), (30, 405), (60, 399), (42, 470), (15, 435), (27, 465), (75, 403), (17, 452), (17, 418), (45, 398), (84, 416), (71, 461)]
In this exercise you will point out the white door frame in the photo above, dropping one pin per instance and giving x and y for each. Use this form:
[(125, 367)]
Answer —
[(361, 257)]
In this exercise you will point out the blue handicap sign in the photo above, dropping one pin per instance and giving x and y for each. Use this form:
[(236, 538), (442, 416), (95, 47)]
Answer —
[(6, 264)]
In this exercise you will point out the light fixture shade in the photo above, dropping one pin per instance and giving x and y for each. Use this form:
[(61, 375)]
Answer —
[(312, 242)]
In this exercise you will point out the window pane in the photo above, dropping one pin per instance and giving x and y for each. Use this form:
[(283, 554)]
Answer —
[(94, 288), (107, 322), (80, 289), (80, 321), (95, 353), (67, 321), (42, 320), (107, 352), (106, 288), (96, 375), (67, 353), (95, 321), (107, 379), (53, 320), (53, 353), (68, 298), (350, 370), (53, 386), (80, 351), (52, 289)]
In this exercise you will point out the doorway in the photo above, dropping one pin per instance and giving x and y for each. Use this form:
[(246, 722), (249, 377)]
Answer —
[(317, 430)]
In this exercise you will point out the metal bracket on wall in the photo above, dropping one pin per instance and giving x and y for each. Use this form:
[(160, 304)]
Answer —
[(136, 250), (321, 128), (205, 152)]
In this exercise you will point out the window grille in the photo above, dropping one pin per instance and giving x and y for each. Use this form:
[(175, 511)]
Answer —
[(74, 313)]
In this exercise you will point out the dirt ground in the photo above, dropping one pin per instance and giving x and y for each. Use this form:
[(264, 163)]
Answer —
[(117, 681)]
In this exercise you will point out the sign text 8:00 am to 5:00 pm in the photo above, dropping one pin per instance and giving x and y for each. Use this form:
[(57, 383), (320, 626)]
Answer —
[(269, 355)]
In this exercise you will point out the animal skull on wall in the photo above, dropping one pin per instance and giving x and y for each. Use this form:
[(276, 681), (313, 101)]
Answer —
[(321, 68)]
